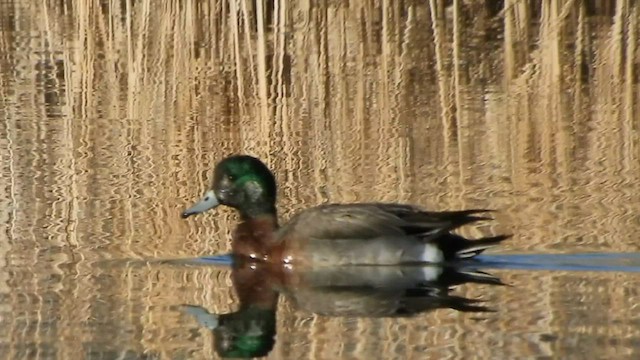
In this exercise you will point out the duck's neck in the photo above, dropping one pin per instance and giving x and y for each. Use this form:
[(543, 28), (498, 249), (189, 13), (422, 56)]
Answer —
[(255, 236), (263, 224), (260, 212)]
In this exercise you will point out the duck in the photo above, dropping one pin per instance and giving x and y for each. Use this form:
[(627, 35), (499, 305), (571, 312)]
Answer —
[(334, 234)]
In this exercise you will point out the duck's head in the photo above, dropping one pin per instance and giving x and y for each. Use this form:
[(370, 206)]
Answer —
[(242, 182)]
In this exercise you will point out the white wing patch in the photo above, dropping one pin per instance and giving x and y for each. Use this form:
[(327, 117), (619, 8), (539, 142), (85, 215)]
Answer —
[(431, 254)]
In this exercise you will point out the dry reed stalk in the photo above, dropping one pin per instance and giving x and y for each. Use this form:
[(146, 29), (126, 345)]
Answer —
[(238, 59), (582, 44), (388, 138), (509, 39), (401, 106), (518, 71), (278, 92), (263, 94), (437, 23), (246, 16), (345, 58), (608, 96), (616, 98), (630, 120), (459, 113), (319, 97), (551, 81)]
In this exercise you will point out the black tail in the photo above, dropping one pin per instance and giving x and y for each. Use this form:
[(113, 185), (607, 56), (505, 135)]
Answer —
[(433, 225), (473, 248), (456, 247), (443, 220), (454, 276)]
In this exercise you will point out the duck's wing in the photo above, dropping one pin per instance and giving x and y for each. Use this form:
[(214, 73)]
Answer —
[(374, 220)]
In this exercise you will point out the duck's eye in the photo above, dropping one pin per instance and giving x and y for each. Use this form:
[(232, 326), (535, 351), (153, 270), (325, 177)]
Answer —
[(231, 177)]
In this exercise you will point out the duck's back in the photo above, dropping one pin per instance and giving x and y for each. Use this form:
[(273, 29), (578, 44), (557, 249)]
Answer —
[(345, 221), (369, 233)]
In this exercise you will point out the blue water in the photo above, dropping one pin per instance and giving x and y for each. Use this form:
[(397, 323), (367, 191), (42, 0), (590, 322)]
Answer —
[(220, 260), (605, 262)]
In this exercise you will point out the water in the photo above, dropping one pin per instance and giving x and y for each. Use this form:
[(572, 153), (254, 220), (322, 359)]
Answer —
[(113, 116)]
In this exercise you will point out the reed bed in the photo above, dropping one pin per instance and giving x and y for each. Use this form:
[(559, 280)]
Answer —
[(113, 113)]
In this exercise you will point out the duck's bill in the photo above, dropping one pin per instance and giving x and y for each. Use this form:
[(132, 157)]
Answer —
[(208, 201)]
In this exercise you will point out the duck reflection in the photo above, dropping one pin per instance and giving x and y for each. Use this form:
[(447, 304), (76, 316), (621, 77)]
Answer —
[(357, 291), (377, 291), (250, 331)]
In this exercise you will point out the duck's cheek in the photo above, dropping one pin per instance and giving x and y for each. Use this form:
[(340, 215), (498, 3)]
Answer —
[(229, 197), (239, 198)]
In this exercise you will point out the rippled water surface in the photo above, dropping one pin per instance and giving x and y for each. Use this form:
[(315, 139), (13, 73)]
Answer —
[(113, 113)]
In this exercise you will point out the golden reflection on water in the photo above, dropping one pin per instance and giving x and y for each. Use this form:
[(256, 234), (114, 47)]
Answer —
[(113, 114)]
